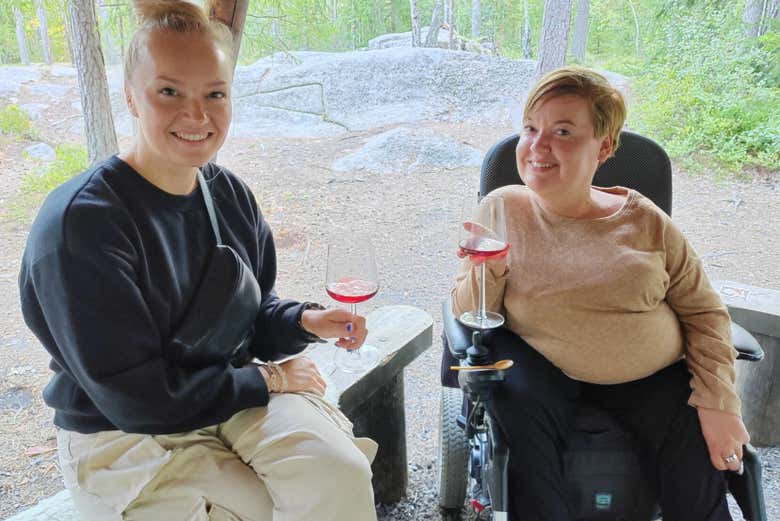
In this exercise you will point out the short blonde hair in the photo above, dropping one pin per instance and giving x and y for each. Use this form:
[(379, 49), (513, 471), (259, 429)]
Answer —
[(607, 106), (177, 16)]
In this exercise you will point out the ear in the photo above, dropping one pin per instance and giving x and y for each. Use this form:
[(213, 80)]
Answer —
[(130, 102), (606, 149)]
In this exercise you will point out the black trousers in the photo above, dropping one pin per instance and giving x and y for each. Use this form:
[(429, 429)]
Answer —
[(536, 411)]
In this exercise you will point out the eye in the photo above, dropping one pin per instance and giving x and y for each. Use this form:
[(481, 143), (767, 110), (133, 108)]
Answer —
[(528, 129), (168, 91), (563, 132), (217, 94)]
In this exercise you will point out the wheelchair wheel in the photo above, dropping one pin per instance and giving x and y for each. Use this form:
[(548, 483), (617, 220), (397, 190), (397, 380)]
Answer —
[(452, 464)]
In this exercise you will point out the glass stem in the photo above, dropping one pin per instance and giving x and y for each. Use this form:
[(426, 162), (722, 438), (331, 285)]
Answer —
[(482, 310), (353, 308)]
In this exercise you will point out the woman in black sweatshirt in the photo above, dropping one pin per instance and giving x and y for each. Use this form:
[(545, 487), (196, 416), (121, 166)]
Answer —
[(152, 326)]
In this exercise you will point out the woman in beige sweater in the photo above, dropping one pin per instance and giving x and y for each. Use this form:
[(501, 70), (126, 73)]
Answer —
[(616, 311)]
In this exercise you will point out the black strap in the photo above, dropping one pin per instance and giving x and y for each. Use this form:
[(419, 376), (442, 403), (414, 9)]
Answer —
[(209, 207)]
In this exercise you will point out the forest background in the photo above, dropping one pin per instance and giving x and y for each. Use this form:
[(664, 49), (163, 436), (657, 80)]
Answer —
[(704, 74)]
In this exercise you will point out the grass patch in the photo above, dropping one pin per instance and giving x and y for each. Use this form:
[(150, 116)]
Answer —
[(36, 184), (15, 122)]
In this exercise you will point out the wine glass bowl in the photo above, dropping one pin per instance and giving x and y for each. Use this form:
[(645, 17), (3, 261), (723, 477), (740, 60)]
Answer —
[(482, 237), (351, 277)]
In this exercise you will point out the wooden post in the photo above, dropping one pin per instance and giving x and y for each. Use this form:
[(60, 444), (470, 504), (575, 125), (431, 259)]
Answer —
[(233, 14), (382, 419)]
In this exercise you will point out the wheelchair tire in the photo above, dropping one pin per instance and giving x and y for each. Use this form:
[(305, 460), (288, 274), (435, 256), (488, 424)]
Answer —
[(452, 464)]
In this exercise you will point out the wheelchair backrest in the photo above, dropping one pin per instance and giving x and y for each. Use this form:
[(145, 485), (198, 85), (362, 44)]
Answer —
[(638, 163)]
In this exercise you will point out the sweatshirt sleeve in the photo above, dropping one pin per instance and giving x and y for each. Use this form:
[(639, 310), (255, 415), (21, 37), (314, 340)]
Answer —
[(106, 338), (706, 326)]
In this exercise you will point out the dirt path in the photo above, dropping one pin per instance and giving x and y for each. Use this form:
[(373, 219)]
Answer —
[(735, 227)]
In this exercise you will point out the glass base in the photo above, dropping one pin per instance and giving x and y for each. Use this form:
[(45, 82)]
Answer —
[(356, 360), (489, 321)]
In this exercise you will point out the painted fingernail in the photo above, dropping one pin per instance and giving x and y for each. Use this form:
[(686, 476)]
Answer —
[(349, 327)]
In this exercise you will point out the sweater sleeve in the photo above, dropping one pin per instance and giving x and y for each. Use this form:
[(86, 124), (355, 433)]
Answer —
[(92, 310), (706, 326), (465, 294)]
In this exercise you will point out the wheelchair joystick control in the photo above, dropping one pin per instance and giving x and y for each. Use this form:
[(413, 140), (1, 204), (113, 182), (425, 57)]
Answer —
[(477, 354)]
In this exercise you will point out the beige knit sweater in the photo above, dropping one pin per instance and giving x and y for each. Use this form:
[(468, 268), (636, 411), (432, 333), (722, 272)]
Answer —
[(608, 300)]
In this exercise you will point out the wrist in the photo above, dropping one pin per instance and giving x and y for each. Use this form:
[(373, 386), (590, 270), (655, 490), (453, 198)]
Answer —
[(304, 316)]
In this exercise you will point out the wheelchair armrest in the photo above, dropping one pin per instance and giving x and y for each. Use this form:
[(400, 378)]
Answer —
[(748, 347), (458, 336), (747, 488)]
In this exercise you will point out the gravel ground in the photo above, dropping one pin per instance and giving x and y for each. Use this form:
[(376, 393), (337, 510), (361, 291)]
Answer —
[(412, 216)]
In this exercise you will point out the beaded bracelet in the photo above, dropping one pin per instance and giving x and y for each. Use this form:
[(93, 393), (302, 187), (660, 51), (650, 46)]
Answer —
[(279, 372)]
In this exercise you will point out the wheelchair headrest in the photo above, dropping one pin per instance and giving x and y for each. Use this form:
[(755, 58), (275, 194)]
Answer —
[(638, 163)]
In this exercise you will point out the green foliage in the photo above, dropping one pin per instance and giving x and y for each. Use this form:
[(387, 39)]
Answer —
[(704, 89), (70, 160), (36, 184), (15, 122)]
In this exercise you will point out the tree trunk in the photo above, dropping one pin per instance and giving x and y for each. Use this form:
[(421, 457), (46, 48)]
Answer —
[(233, 14), (21, 39), (636, 27), (415, 14), (476, 18), (526, 43), (93, 86), (752, 17), (579, 40), (771, 13), (43, 22), (554, 38), (449, 20), (432, 38), (68, 35)]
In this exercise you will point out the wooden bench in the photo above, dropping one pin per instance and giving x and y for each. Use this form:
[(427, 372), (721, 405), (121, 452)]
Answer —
[(373, 401)]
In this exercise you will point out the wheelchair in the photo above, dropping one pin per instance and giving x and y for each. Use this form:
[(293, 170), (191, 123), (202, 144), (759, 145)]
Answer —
[(601, 464)]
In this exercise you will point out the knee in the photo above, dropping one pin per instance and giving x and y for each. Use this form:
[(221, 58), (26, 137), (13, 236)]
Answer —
[(345, 467)]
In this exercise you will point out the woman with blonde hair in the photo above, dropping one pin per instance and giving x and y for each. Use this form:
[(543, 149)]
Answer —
[(611, 308), (150, 280)]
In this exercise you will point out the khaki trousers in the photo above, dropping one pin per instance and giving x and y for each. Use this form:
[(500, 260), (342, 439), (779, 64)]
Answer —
[(285, 462)]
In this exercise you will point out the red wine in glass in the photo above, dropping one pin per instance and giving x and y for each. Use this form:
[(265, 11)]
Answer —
[(482, 236), (351, 277), (350, 290), (482, 248)]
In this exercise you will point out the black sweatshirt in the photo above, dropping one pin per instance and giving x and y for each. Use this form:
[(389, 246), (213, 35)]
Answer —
[(110, 266)]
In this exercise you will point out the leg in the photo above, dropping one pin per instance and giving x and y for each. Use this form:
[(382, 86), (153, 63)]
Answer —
[(535, 411), (655, 411), (311, 468), (117, 476)]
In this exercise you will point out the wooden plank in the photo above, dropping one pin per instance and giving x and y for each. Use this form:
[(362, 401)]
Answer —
[(233, 14), (400, 333)]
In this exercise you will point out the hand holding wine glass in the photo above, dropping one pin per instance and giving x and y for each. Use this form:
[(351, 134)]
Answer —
[(482, 238), (352, 278)]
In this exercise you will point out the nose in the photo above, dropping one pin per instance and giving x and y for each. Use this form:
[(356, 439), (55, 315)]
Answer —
[(196, 111), (540, 141)]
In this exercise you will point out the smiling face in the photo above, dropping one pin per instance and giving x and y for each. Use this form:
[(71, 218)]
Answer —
[(180, 93), (558, 151)]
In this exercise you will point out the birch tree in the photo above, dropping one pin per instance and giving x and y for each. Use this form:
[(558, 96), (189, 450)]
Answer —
[(476, 18), (43, 27), (579, 40), (21, 38), (554, 38), (93, 85), (415, 15), (432, 38), (526, 43), (752, 16)]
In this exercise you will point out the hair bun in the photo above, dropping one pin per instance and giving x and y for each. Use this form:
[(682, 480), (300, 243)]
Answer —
[(155, 10)]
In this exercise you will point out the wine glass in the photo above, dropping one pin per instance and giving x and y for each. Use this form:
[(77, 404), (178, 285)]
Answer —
[(351, 277), (482, 236)]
